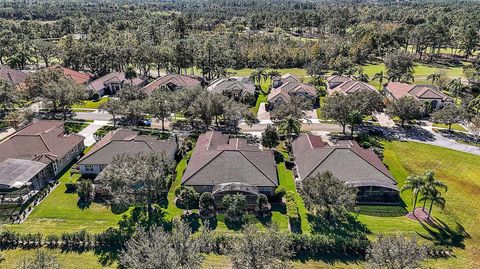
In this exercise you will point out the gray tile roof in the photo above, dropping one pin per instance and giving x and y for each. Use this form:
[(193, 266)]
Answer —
[(347, 161), (217, 159), (222, 85), (123, 141)]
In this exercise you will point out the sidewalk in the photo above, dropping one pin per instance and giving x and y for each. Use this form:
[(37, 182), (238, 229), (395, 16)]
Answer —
[(90, 130)]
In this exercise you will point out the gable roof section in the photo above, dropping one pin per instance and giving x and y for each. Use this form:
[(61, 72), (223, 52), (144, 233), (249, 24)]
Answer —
[(123, 141), (347, 161), (43, 141), (229, 84), (78, 77), (351, 86), (119, 77), (398, 90), (292, 88), (217, 160), (13, 76), (175, 79)]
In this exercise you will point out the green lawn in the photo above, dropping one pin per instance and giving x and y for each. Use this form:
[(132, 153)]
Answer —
[(59, 213), (91, 104), (66, 260), (74, 127), (262, 98), (456, 127), (421, 71)]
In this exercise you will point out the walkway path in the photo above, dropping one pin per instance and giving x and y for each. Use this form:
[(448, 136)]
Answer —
[(384, 120), (90, 130)]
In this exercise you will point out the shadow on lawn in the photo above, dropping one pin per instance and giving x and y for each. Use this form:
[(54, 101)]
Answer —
[(442, 234), (346, 226)]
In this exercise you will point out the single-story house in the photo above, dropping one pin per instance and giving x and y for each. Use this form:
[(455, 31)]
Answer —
[(79, 77), (223, 165), (279, 81), (424, 93), (119, 142), (349, 162), (113, 82), (172, 82), (288, 90), (348, 86), (36, 154), (12, 76), (235, 87), (335, 80)]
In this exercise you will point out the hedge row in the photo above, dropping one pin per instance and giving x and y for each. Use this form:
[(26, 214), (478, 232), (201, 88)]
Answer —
[(292, 213)]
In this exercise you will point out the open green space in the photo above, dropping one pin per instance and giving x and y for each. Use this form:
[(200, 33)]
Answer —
[(74, 127), (91, 104)]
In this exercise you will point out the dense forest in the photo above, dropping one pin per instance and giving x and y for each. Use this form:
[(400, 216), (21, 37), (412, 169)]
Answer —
[(210, 35)]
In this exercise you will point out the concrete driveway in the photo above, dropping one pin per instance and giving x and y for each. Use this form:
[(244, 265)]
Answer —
[(95, 116), (263, 116), (90, 130), (384, 120)]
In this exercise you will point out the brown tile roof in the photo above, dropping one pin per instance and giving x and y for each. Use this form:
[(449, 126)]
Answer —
[(78, 77), (398, 90), (42, 141), (173, 79), (291, 88), (217, 159), (223, 85), (13, 76), (119, 77), (124, 141), (351, 86), (347, 161)]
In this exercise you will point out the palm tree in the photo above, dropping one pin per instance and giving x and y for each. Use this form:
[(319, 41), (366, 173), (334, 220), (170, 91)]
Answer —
[(455, 86), (289, 126), (433, 77), (415, 184), (435, 197), (380, 76), (130, 73), (431, 184), (362, 76)]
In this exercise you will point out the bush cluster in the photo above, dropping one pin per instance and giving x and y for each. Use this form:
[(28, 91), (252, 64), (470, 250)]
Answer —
[(292, 213)]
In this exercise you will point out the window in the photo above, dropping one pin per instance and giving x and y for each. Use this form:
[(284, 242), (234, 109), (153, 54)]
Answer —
[(89, 168)]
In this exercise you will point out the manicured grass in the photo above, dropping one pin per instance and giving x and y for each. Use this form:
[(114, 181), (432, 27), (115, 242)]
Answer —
[(456, 127), (460, 171), (91, 104), (74, 127), (262, 98), (299, 72), (66, 260), (59, 212), (172, 210), (286, 179), (421, 71)]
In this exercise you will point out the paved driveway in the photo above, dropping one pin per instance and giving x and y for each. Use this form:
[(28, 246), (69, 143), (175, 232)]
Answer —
[(95, 116), (90, 130), (263, 116), (384, 120)]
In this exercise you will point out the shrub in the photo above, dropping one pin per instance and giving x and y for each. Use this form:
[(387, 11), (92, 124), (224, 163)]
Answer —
[(85, 190), (235, 206), (263, 206), (280, 191), (188, 197), (95, 96), (206, 204)]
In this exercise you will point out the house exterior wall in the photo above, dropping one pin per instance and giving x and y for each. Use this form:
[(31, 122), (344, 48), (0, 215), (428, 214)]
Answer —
[(64, 161), (90, 169)]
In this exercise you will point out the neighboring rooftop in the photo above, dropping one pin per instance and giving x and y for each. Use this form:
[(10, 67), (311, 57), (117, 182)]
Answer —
[(114, 77), (218, 159), (399, 90), (232, 84), (78, 77), (13, 76), (15, 173), (292, 88), (350, 86), (172, 80), (43, 141), (347, 161), (124, 141)]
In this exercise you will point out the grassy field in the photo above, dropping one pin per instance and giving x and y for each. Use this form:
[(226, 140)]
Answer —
[(90, 104), (421, 71)]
